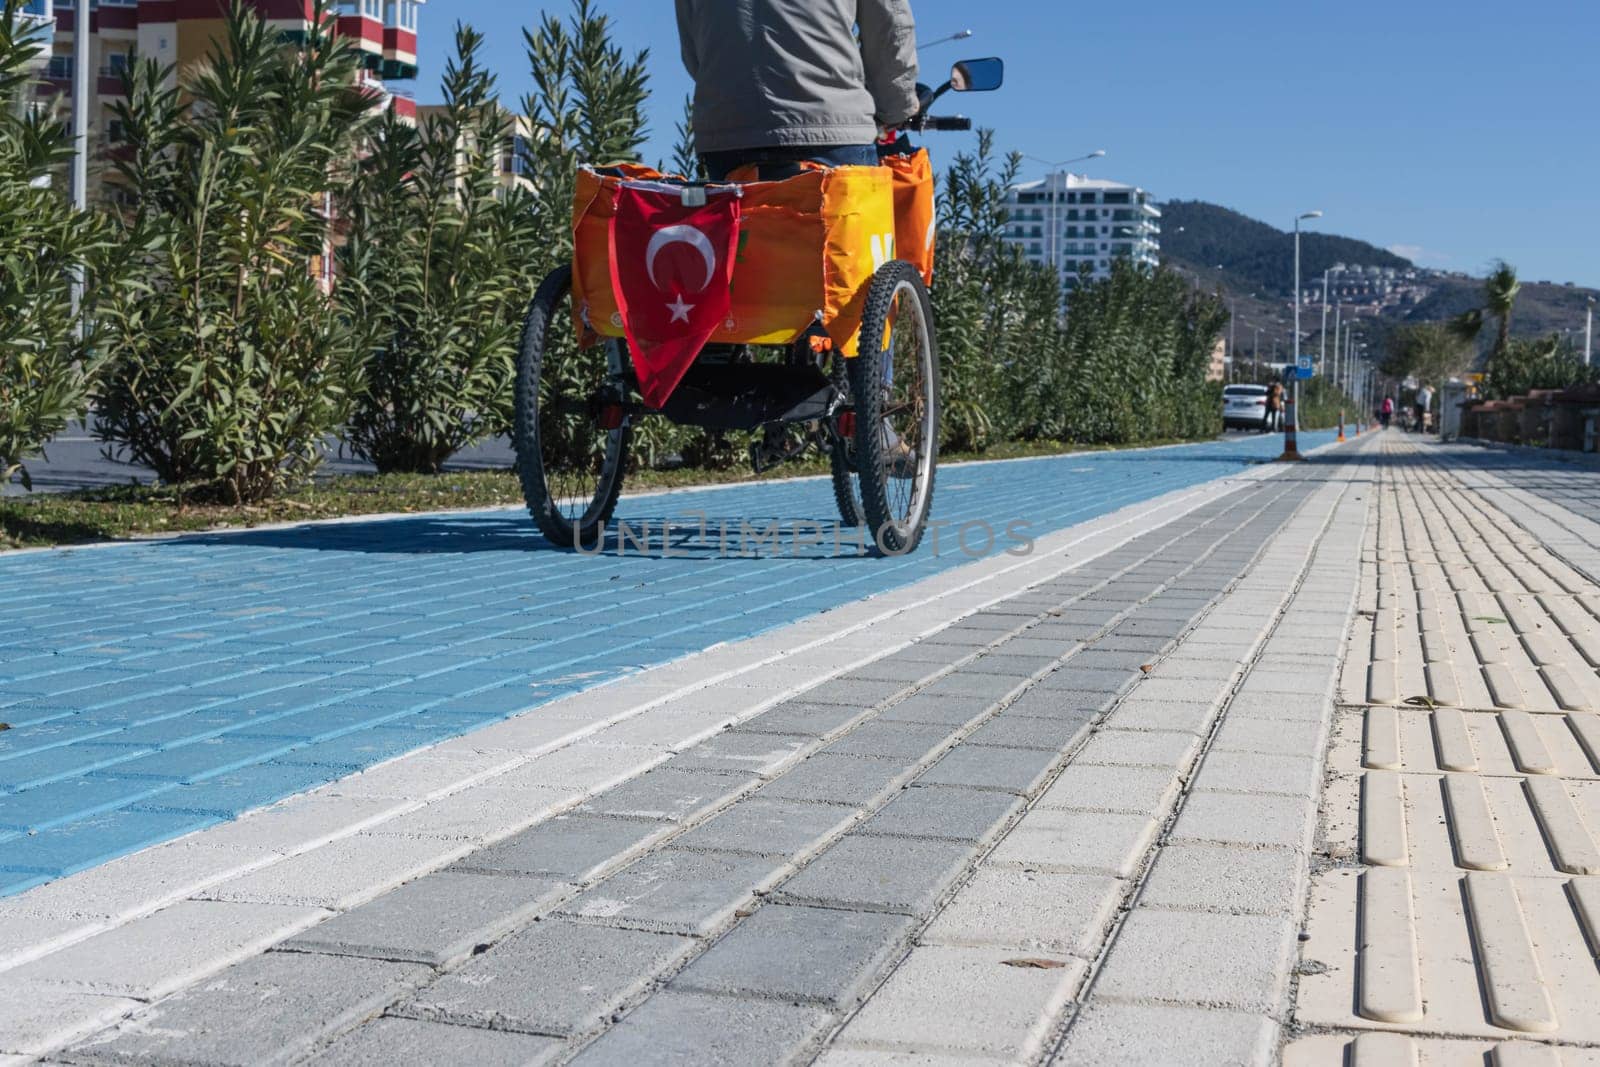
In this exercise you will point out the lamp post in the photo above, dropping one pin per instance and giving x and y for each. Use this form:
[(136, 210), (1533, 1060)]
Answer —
[(1055, 228), (80, 131), (959, 35), (1588, 333), (1291, 425)]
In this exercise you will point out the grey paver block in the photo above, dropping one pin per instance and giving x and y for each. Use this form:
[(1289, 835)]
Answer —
[(437, 919), (943, 652), (1137, 748), (1029, 645), (880, 874), (266, 1010), (770, 827), (556, 977), (571, 847), (678, 891), (815, 955), (1028, 911), (1055, 734), (800, 717), (975, 682), (695, 1029), (1227, 878), (1010, 770), (1105, 659), (668, 793), (385, 1042), (1258, 772), (1247, 819), (946, 812), (1055, 704), (1230, 961), (1008, 661), (835, 778), (1082, 680), (895, 669), (1094, 842), (746, 751), (904, 741), (853, 693), (1091, 787), (941, 710), (1111, 1034), (967, 999)]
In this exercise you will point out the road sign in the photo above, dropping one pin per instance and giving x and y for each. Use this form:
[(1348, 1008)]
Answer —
[(1304, 368)]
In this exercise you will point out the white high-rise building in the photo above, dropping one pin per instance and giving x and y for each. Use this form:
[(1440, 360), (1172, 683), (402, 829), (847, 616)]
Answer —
[(1082, 225)]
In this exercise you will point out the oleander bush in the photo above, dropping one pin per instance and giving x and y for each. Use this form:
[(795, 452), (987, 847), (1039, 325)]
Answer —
[(48, 359), (438, 265), (231, 362)]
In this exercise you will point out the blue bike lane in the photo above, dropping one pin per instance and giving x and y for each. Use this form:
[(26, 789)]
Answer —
[(156, 688)]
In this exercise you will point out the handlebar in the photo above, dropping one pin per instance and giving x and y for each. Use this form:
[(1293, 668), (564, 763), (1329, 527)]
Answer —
[(951, 123)]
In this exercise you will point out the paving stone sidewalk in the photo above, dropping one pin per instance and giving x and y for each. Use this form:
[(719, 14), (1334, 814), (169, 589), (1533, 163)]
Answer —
[(1074, 824), (1455, 913)]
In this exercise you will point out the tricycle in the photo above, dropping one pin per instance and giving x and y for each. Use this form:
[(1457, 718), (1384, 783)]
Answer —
[(795, 308)]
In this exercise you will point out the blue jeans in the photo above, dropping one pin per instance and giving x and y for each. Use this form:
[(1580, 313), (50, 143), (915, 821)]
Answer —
[(783, 161)]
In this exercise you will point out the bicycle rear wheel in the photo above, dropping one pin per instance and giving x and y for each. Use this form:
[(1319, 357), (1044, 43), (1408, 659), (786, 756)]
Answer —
[(894, 383), (570, 465)]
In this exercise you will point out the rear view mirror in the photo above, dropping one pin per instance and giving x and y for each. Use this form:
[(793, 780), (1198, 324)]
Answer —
[(977, 75)]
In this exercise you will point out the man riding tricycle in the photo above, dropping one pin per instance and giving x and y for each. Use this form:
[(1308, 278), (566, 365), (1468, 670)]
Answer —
[(785, 295)]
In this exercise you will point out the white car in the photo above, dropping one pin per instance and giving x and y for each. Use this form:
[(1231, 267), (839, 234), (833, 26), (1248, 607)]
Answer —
[(1244, 407)]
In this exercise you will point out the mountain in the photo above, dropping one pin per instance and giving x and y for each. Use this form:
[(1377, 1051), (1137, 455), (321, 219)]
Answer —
[(1256, 256), (1252, 263)]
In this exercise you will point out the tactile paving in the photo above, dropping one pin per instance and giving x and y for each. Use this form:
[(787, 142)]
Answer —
[(1462, 810)]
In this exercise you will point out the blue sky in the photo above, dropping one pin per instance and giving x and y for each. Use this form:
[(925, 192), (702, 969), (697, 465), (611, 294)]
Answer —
[(1454, 131)]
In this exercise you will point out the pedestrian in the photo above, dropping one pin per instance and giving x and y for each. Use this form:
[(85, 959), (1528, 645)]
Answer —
[(1423, 402), (1274, 407), (1386, 412)]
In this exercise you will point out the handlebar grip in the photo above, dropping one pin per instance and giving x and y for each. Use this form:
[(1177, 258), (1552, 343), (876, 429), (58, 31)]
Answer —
[(953, 123)]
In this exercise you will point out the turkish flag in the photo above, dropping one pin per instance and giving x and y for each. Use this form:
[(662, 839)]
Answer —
[(672, 250)]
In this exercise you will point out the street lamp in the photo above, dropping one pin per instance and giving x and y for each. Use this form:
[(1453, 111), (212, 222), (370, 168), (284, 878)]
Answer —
[(1588, 333), (1293, 428), (959, 35), (1055, 229)]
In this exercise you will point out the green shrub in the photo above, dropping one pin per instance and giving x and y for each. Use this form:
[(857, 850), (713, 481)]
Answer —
[(46, 365), (230, 363), (438, 267)]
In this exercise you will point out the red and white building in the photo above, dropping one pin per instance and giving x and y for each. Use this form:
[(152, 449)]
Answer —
[(180, 32)]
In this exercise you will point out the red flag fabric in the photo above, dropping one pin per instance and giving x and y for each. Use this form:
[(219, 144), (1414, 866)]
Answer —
[(672, 251)]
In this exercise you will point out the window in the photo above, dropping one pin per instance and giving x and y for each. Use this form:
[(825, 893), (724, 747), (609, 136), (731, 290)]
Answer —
[(1116, 198), (117, 64), (37, 8), (1090, 214), (408, 15), (349, 7), (519, 155)]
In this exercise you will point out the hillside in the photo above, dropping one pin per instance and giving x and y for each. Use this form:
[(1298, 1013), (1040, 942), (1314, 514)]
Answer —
[(1257, 257), (1253, 264)]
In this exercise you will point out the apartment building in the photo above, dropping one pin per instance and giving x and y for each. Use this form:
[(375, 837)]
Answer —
[(180, 32), (1082, 225)]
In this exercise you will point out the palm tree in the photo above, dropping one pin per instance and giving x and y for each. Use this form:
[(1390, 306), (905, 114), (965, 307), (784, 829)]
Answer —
[(1500, 291)]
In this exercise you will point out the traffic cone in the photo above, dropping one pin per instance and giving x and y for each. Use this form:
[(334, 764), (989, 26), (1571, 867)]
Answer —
[(1341, 426)]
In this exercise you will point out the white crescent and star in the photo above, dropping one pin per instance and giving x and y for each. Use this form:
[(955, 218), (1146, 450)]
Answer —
[(684, 234)]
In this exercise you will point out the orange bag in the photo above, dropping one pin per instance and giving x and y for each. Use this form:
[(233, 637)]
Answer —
[(808, 246), (914, 229)]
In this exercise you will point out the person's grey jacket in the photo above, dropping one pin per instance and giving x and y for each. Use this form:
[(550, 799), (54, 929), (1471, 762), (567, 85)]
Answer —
[(790, 72)]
